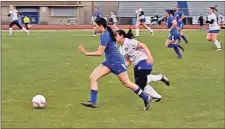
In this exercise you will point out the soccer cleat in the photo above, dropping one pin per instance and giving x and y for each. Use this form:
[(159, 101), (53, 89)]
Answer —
[(165, 79), (219, 49), (88, 104), (154, 99), (152, 33), (181, 47), (179, 57), (9, 34), (148, 103), (94, 35)]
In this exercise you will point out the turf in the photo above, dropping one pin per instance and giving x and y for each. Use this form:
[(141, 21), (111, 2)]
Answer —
[(48, 63)]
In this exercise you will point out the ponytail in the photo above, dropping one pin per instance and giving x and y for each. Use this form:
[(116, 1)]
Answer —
[(214, 8), (129, 34), (111, 33), (172, 12)]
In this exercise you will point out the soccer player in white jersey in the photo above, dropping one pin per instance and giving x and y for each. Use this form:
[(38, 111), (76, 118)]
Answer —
[(221, 20), (141, 20), (139, 55), (13, 15), (213, 28), (114, 20)]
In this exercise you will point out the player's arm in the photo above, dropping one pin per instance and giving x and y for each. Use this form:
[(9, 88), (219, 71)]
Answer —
[(10, 12), (210, 22), (99, 52), (127, 62), (146, 50), (182, 17), (173, 25), (141, 13)]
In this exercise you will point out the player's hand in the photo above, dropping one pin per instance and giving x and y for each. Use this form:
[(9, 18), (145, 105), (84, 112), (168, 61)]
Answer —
[(82, 49), (180, 20), (169, 30), (149, 61)]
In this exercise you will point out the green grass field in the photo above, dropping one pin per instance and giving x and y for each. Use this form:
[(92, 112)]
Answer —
[(48, 63)]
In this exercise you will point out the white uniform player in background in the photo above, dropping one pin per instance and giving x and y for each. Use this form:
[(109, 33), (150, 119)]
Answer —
[(221, 20), (141, 20), (139, 55), (13, 14), (114, 20), (213, 28)]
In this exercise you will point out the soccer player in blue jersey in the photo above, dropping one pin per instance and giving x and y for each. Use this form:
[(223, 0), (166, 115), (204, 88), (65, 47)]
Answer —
[(114, 63), (180, 25), (172, 41), (95, 15)]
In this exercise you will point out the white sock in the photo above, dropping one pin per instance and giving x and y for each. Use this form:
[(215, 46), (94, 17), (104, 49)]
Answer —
[(153, 78), (137, 31), (25, 29), (10, 31), (217, 43), (149, 90), (149, 29)]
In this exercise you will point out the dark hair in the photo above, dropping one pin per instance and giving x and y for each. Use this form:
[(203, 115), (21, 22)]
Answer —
[(172, 11), (102, 22), (128, 35), (214, 8)]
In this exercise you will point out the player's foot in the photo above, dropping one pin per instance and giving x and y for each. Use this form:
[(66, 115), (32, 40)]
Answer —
[(179, 57), (152, 33), (148, 103), (186, 41), (94, 35), (219, 49), (165, 79), (181, 47), (9, 34), (137, 35), (88, 104), (154, 99)]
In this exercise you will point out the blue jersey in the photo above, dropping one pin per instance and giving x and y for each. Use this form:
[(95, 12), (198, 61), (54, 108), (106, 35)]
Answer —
[(97, 15), (170, 20), (179, 15), (112, 54)]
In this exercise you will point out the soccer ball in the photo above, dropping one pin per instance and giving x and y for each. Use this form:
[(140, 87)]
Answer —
[(39, 101)]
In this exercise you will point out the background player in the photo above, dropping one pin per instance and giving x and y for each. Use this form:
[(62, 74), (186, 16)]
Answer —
[(213, 28), (13, 15), (141, 20), (172, 41), (114, 21), (114, 63), (95, 15), (180, 25), (139, 55), (221, 20), (26, 21), (201, 21)]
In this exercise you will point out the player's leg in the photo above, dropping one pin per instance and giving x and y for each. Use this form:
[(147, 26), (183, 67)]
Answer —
[(148, 28), (26, 26), (19, 26), (171, 42), (209, 37), (137, 27), (98, 73), (182, 33), (215, 41), (159, 77), (123, 77), (141, 80), (10, 27)]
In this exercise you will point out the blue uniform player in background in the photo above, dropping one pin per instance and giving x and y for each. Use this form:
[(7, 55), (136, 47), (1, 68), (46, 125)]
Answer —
[(114, 63), (95, 16), (172, 41), (180, 25)]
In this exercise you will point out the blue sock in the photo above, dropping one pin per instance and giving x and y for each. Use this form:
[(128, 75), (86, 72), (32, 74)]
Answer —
[(184, 38), (177, 51), (173, 45), (93, 98), (141, 94)]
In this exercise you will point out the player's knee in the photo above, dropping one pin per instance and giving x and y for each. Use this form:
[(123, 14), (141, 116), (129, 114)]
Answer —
[(92, 78), (209, 39)]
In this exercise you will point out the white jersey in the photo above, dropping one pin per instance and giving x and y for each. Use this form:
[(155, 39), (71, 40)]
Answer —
[(220, 19), (114, 18), (214, 25), (13, 14), (129, 50), (138, 12)]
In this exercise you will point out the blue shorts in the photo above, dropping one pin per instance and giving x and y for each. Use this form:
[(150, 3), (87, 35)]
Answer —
[(142, 20), (115, 68), (213, 31), (143, 65), (180, 25), (174, 36)]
